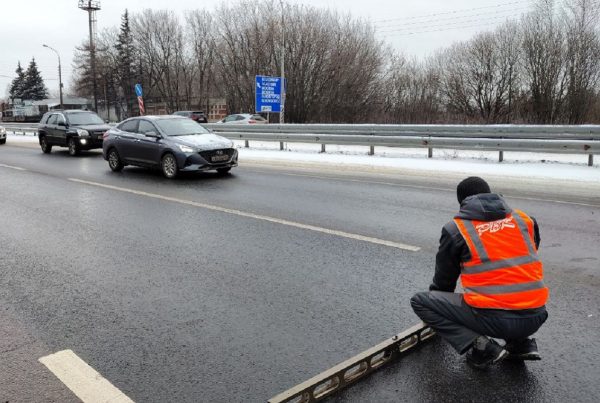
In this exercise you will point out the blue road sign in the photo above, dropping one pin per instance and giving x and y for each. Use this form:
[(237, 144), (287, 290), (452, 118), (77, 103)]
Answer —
[(138, 90), (268, 94)]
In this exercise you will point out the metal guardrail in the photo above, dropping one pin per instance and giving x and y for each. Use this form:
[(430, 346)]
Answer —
[(538, 139), (583, 140), (20, 128), (582, 132), (350, 371)]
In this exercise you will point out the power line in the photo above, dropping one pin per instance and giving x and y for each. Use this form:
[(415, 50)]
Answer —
[(450, 21), (444, 27), (449, 25), (455, 11), (436, 30)]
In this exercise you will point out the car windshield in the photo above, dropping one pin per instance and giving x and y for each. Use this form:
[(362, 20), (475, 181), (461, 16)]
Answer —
[(180, 127), (84, 118)]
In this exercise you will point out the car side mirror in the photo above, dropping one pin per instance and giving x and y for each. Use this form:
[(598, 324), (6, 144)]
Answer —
[(63, 124), (152, 134)]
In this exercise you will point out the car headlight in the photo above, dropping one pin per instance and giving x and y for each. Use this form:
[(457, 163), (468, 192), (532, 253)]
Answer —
[(82, 133), (185, 149), (2, 130)]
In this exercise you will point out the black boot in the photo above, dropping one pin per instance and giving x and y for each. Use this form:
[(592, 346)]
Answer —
[(485, 352), (525, 349)]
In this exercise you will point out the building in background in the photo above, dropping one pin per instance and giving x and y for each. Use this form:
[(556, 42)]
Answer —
[(31, 111), (50, 104), (217, 109)]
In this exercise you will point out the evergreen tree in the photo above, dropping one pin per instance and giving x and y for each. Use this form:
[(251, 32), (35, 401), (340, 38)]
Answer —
[(35, 89), (18, 85), (126, 66)]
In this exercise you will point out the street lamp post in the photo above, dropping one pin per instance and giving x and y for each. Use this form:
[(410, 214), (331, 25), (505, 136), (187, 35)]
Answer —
[(60, 84)]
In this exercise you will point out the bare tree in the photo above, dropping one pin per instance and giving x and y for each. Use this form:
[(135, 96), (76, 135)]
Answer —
[(244, 49), (159, 38), (582, 59), (455, 91), (106, 69), (201, 37), (544, 68), (544, 63), (412, 92)]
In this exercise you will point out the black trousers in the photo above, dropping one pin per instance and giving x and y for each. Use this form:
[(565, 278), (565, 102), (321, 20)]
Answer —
[(460, 324)]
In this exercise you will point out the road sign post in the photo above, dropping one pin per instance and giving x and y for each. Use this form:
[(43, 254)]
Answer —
[(140, 97), (268, 92)]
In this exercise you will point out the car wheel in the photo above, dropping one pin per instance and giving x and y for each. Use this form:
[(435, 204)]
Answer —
[(73, 149), (114, 161), (46, 148), (223, 171), (3, 141), (169, 166)]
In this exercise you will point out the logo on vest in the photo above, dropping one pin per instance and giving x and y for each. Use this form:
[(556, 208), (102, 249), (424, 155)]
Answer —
[(495, 226)]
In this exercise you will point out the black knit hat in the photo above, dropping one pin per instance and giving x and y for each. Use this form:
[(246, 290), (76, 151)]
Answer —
[(473, 185)]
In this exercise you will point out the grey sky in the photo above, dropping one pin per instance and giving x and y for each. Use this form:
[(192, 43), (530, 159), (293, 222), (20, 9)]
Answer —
[(413, 27)]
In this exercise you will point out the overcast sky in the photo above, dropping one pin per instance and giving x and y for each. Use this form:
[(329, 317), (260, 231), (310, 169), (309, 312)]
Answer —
[(413, 27)]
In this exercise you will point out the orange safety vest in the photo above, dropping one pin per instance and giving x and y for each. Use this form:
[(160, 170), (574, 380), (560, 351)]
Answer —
[(504, 271)]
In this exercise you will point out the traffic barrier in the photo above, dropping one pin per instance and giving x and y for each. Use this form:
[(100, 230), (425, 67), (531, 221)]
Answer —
[(537, 139), (21, 130), (583, 139)]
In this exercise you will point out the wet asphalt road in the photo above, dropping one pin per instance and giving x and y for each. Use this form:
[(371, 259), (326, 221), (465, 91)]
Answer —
[(179, 303)]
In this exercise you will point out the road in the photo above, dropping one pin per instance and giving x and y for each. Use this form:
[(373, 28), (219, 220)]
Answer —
[(230, 289)]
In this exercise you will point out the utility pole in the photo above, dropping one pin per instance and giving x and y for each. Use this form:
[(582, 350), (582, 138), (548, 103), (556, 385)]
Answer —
[(91, 6), (60, 84), (282, 95)]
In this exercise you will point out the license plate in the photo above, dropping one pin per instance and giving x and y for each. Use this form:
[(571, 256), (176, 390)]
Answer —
[(217, 158)]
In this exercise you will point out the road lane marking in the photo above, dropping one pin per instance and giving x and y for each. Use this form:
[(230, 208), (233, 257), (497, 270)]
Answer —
[(240, 213), (394, 184), (84, 381), (12, 167)]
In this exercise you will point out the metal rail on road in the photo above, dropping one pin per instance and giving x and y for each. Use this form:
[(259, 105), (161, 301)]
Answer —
[(483, 144), (350, 371), (571, 132), (20, 128), (583, 140), (538, 139)]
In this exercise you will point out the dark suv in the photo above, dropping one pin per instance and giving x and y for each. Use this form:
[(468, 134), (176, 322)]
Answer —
[(76, 129)]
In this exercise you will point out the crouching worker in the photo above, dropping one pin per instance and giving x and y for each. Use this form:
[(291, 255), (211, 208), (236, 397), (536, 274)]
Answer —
[(493, 250)]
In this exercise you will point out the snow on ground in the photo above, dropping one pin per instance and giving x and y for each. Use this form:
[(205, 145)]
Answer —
[(16, 138), (516, 164), (571, 167)]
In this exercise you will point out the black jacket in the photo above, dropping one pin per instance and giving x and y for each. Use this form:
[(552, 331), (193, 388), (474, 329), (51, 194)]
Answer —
[(453, 248)]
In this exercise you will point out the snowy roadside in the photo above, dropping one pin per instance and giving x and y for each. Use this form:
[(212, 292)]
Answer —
[(516, 164), (566, 167)]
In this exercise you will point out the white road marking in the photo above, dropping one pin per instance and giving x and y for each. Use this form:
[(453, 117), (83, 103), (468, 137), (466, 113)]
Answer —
[(240, 213), (377, 182), (12, 167), (85, 382)]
